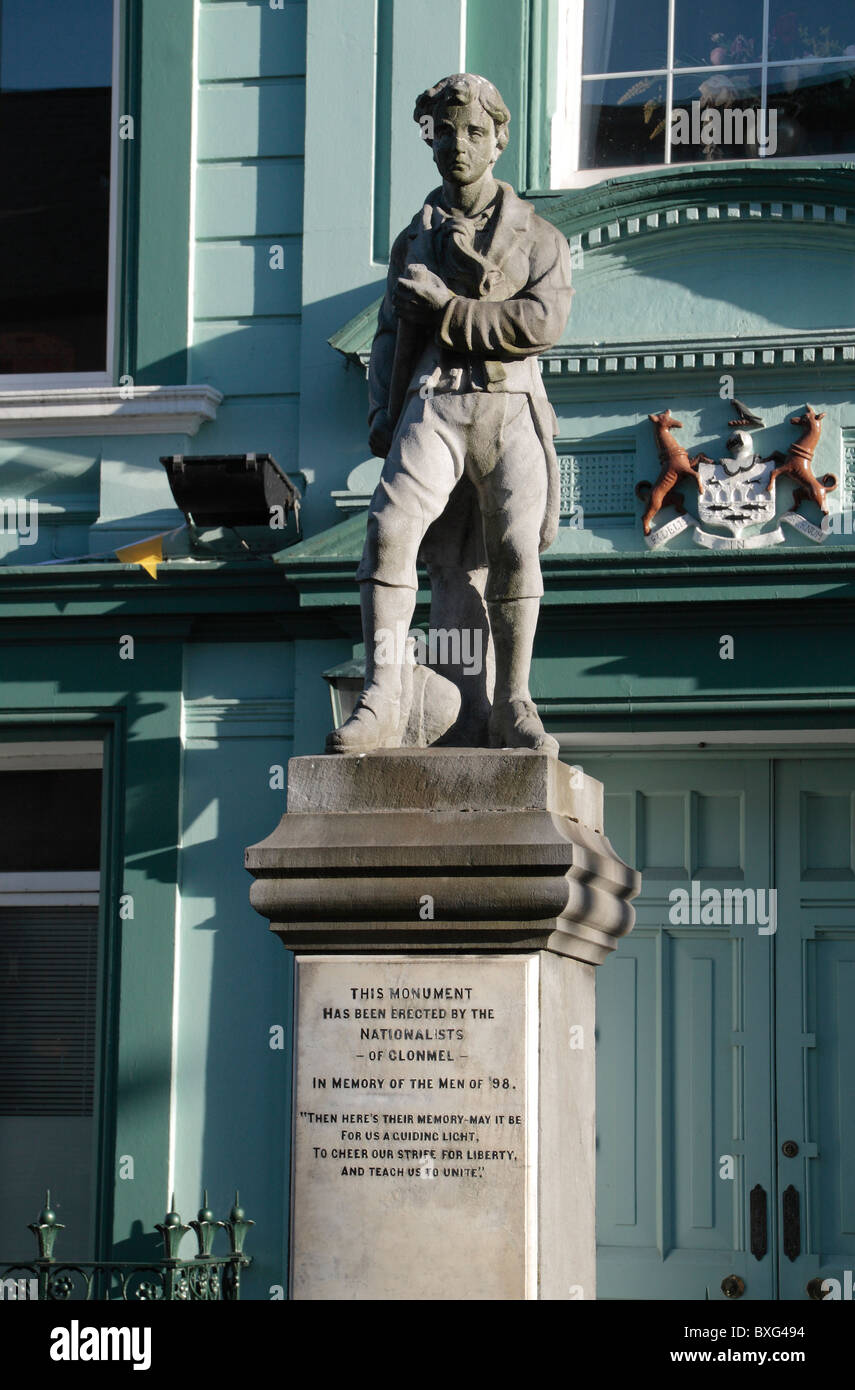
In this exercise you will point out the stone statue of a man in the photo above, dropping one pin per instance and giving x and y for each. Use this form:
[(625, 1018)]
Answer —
[(478, 285)]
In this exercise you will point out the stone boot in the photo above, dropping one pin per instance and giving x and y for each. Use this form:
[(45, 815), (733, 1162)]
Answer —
[(516, 724), (375, 723), (381, 710)]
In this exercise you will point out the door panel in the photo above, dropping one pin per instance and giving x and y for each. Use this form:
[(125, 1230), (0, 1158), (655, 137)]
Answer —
[(815, 843), (684, 1027)]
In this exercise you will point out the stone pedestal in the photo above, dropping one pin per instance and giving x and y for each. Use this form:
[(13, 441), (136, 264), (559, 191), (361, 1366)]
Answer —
[(447, 908)]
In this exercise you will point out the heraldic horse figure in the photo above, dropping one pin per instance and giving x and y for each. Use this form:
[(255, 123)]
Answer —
[(798, 461), (676, 465)]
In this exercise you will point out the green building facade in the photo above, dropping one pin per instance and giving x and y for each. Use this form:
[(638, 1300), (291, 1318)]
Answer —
[(249, 206)]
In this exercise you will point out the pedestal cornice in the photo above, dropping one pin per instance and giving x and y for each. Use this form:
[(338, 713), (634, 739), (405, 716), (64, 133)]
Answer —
[(443, 849)]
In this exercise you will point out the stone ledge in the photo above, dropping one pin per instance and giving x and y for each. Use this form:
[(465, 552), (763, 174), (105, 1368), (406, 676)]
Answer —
[(59, 412), (499, 841), (444, 779)]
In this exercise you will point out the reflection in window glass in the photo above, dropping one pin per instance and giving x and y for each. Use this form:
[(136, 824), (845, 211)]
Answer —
[(811, 29), (55, 117), (739, 79), (625, 36), (727, 33), (623, 122), (717, 110), (815, 105)]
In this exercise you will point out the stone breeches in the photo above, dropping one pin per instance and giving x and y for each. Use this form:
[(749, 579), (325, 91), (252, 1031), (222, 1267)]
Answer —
[(488, 437)]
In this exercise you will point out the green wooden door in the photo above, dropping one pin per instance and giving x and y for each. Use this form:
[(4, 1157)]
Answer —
[(684, 1032), (815, 850), (722, 1032)]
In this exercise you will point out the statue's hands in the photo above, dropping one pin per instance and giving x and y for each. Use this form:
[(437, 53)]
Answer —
[(421, 296), (380, 438)]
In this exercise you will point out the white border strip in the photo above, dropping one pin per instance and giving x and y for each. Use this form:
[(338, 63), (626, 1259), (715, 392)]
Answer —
[(113, 253), (51, 755), (710, 738), (566, 122), (173, 1061), (194, 140), (532, 1121)]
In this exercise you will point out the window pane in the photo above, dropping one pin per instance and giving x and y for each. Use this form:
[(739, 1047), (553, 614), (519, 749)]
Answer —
[(48, 983), (55, 76), (55, 43), (715, 115), (50, 821), (623, 122), (48, 1003), (728, 32), (811, 28), (625, 36), (815, 106)]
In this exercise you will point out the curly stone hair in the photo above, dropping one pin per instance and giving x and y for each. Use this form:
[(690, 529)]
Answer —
[(459, 90)]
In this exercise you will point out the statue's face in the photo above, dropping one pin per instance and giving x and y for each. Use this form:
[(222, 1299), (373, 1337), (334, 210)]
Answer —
[(464, 143)]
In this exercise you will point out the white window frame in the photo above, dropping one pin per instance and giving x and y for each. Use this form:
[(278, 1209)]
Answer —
[(567, 121), (12, 381)]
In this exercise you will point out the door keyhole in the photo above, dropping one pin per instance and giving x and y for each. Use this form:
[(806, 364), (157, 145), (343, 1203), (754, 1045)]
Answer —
[(732, 1286)]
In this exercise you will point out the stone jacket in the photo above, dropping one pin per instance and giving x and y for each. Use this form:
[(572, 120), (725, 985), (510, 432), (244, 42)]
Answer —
[(490, 340)]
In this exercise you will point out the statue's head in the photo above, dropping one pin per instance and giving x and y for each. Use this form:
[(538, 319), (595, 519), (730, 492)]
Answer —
[(465, 121)]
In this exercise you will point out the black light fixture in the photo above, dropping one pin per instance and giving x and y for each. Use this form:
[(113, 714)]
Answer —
[(232, 490)]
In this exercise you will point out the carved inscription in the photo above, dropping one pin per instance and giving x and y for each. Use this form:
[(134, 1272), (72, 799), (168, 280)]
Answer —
[(410, 1111)]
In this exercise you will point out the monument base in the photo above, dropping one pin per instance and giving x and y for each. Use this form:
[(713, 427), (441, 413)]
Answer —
[(447, 909), (468, 849), (444, 1128)]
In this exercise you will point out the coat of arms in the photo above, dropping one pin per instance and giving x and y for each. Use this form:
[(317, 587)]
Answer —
[(736, 494)]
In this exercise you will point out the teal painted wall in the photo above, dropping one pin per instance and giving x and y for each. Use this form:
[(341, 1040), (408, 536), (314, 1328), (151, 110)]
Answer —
[(199, 733), (160, 154), (68, 682), (232, 1090), (198, 299), (248, 202), (346, 173)]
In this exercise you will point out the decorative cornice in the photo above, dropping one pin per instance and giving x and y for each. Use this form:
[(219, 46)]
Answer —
[(826, 349), (106, 410), (834, 348), (510, 849), (207, 720), (710, 214), (757, 190)]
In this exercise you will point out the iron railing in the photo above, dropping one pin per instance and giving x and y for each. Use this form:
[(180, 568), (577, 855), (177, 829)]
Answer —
[(204, 1278)]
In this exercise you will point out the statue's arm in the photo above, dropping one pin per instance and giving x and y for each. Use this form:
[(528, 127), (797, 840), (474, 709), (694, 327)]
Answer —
[(383, 347), (529, 323)]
